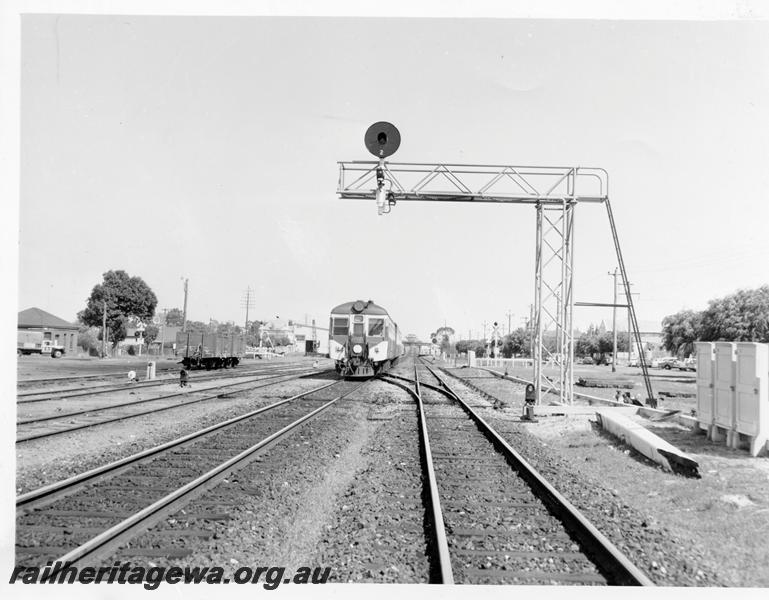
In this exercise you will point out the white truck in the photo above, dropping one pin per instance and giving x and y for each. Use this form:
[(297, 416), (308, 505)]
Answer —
[(34, 342)]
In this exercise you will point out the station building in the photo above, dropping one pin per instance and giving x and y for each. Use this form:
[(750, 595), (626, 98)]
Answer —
[(301, 336), (60, 332)]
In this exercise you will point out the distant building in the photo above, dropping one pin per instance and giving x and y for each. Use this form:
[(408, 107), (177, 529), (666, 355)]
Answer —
[(298, 335), (60, 332), (135, 337), (310, 336)]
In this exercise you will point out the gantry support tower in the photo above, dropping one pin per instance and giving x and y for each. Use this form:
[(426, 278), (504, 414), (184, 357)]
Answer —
[(554, 192)]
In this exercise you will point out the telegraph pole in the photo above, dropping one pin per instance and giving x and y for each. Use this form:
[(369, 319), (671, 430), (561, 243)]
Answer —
[(184, 314), (247, 301), (510, 321), (104, 328), (614, 324)]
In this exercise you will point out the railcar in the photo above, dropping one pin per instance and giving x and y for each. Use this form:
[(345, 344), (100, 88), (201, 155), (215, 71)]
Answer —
[(363, 340), (209, 350)]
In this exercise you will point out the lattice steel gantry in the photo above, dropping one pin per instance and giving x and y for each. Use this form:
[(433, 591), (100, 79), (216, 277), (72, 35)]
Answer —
[(553, 191)]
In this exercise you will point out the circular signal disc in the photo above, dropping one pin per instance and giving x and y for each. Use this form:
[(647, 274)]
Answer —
[(382, 139)]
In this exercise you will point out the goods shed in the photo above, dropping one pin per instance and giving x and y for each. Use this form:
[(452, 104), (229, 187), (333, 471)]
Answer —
[(60, 332)]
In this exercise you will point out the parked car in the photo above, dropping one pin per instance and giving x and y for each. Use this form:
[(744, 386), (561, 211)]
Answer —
[(667, 362), (689, 364), (588, 360)]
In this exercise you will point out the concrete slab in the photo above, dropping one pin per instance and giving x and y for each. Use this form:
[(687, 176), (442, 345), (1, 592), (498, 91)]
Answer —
[(564, 410), (650, 445)]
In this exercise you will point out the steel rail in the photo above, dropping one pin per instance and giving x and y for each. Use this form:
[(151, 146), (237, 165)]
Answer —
[(606, 555), (142, 519), (439, 528), (157, 399), (421, 383), (134, 415), (74, 482), (77, 377), (113, 387)]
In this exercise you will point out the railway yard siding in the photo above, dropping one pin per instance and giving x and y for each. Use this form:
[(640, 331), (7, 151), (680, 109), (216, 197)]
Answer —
[(345, 490)]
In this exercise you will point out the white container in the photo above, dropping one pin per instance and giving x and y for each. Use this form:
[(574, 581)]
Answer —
[(706, 353), (724, 386), (751, 413)]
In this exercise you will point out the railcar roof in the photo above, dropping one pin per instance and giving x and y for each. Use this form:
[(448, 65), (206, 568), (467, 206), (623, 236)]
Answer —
[(369, 308)]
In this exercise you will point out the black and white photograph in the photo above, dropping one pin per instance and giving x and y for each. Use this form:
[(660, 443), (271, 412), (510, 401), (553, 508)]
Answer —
[(409, 293)]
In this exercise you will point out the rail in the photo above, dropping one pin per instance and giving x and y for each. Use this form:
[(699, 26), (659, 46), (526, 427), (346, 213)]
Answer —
[(144, 518), (619, 569)]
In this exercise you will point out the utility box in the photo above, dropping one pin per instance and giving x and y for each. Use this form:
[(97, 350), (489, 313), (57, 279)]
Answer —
[(723, 393), (751, 415), (705, 352), (471, 361)]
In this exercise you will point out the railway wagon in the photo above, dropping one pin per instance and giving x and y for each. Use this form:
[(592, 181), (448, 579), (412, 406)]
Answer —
[(363, 339), (209, 350)]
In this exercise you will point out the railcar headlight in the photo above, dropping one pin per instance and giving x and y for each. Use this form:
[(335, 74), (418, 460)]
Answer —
[(357, 348)]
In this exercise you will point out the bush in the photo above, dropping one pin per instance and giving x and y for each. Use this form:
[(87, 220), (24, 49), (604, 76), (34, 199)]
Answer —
[(131, 351)]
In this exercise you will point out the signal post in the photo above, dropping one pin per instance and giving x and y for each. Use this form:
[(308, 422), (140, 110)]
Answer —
[(554, 192)]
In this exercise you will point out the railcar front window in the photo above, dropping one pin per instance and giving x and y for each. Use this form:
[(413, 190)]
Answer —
[(376, 327), (341, 326)]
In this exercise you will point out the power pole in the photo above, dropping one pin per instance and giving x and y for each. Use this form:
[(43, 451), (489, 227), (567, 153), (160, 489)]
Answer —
[(614, 324), (509, 321), (104, 328), (184, 312), (247, 301)]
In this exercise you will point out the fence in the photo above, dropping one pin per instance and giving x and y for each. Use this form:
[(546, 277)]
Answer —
[(512, 363)]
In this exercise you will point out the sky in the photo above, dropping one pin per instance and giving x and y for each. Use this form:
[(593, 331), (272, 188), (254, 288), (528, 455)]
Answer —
[(206, 148)]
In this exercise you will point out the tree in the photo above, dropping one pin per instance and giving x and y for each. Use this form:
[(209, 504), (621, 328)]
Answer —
[(443, 336), (281, 340), (253, 333), (586, 344), (88, 339), (175, 317), (681, 330), (125, 297), (197, 327), (151, 333), (477, 346), (516, 342), (739, 317)]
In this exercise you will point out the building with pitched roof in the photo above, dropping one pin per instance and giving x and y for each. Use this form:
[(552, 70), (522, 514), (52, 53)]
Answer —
[(60, 332)]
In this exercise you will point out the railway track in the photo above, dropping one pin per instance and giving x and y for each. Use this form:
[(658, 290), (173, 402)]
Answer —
[(87, 517), (59, 423), (77, 378), (48, 395), (492, 517)]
